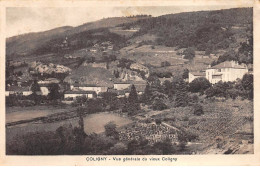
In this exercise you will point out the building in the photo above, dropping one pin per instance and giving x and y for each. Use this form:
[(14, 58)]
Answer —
[(121, 85), (226, 71), (74, 94), (44, 88), (49, 81), (194, 75), (88, 87), (17, 90)]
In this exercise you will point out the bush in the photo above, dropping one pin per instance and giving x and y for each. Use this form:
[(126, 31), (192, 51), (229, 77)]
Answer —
[(193, 99), (198, 110), (158, 121), (199, 85), (159, 104)]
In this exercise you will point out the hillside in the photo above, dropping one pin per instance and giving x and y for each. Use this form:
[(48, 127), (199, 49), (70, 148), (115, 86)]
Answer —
[(26, 44), (205, 30)]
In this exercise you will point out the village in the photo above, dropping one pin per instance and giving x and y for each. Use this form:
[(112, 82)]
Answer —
[(128, 85)]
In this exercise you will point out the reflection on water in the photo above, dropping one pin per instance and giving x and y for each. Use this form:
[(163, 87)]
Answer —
[(93, 123)]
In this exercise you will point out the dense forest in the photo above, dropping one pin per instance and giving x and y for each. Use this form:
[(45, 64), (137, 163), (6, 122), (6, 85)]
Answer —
[(205, 30)]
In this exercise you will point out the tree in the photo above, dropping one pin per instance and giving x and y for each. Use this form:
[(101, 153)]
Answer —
[(35, 89), (198, 110), (248, 84), (147, 94), (116, 73), (80, 114), (132, 105), (167, 88), (165, 147), (154, 82), (133, 97), (181, 99), (199, 85), (185, 74), (110, 130), (189, 53), (158, 104), (54, 91)]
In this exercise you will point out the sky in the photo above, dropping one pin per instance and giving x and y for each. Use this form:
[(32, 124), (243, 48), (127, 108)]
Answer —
[(20, 20)]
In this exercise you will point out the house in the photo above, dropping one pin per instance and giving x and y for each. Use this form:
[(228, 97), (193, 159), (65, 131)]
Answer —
[(88, 87), (49, 81), (44, 88), (194, 75), (226, 71), (121, 85), (17, 90), (74, 94)]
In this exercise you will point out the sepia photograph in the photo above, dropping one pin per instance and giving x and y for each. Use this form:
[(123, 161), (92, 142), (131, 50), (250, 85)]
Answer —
[(129, 80)]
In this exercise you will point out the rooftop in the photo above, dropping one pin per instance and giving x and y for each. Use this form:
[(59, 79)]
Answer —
[(198, 73), (79, 92), (18, 89), (228, 64)]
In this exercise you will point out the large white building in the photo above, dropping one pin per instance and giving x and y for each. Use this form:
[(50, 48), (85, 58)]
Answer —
[(226, 71)]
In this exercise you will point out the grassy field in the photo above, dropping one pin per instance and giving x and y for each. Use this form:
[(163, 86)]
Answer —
[(148, 56)]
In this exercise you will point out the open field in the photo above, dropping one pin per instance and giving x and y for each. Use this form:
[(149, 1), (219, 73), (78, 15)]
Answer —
[(148, 56)]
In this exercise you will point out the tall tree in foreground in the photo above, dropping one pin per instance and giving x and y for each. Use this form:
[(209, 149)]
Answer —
[(132, 105), (181, 99)]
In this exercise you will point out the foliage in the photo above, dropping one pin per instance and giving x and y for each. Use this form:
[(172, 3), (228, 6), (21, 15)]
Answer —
[(125, 63), (168, 88), (181, 99), (189, 53), (110, 130), (248, 84), (132, 106), (199, 85), (185, 74), (146, 97), (54, 92), (154, 83), (158, 104), (243, 88), (198, 110), (165, 64), (162, 74)]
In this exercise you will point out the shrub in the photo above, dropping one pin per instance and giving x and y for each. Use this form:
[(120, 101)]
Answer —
[(158, 104), (158, 121), (198, 110), (199, 85)]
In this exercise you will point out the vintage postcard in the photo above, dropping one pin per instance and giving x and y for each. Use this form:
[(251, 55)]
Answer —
[(130, 82)]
